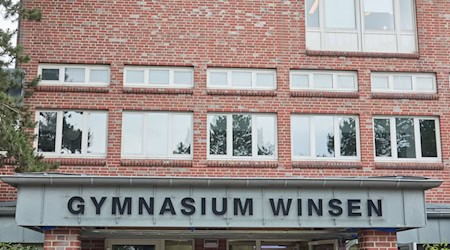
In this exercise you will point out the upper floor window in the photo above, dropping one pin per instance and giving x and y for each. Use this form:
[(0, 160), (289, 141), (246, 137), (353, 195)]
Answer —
[(322, 137), (361, 25), (406, 138), (157, 135), (74, 75), (324, 80), (159, 77), (72, 133), (403, 82), (242, 136), (242, 79)]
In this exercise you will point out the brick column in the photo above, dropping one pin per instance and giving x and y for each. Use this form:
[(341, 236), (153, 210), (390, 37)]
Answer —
[(62, 239), (377, 240)]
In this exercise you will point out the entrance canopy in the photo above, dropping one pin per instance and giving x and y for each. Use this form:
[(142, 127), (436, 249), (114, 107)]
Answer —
[(220, 203)]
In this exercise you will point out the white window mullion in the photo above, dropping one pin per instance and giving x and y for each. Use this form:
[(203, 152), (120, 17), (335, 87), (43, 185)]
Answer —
[(359, 15), (337, 137), (229, 133), (254, 136), (391, 82), (334, 81), (417, 138), (312, 137), (62, 73), (145, 141), (414, 82), (146, 77), (321, 23), (85, 132), (59, 131), (87, 74), (169, 135), (254, 79), (229, 78), (397, 25), (171, 77), (393, 126), (311, 80)]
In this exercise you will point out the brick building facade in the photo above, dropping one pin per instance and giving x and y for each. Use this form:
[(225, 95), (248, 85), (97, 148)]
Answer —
[(290, 64)]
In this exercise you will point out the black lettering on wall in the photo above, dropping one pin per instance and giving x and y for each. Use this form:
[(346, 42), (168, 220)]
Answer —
[(280, 206), (149, 207), (224, 206), (353, 207), (79, 208), (98, 204), (376, 208), (317, 208), (243, 209), (116, 205), (299, 207), (203, 206), (335, 207), (189, 208), (167, 207)]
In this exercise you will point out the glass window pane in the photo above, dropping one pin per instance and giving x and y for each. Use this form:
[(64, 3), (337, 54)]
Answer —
[(218, 135), (312, 13), (300, 81), (242, 79), (183, 77), (265, 80), (135, 76), (301, 136), (323, 81), (72, 132), (340, 14), (265, 129), (74, 75), (424, 83), (406, 15), (428, 138), (181, 134), (218, 78), (159, 77), (382, 131), (242, 245), (324, 136), (242, 135), (178, 245), (132, 133), (347, 128), (405, 138), (99, 75), (98, 126), (158, 134), (47, 131), (402, 83), (380, 82), (50, 74), (345, 82), (133, 247), (378, 14)]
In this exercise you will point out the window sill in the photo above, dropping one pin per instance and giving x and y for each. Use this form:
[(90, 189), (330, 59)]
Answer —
[(77, 161), (242, 164), (413, 96), (89, 89), (409, 165), (241, 92), (156, 163), (362, 54), (325, 164), (324, 94), (164, 91)]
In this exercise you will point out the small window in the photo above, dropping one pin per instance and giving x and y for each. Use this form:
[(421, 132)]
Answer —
[(242, 78), (159, 77), (406, 138), (242, 136), (345, 81), (157, 135), (404, 82), (74, 75), (324, 137), (72, 133)]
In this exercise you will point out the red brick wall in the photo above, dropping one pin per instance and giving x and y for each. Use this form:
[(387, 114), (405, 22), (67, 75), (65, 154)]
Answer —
[(62, 239), (257, 34), (376, 240)]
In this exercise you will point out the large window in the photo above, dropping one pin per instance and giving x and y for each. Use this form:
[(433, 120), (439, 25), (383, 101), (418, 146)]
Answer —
[(72, 133), (241, 79), (242, 136), (159, 77), (157, 135), (322, 137), (403, 82), (361, 25), (324, 80), (74, 75), (406, 138)]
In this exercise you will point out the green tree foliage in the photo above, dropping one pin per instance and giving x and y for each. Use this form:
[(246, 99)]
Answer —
[(10, 246), (439, 246), (16, 122)]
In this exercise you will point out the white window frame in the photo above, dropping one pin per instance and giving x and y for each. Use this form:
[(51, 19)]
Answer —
[(146, 83), (87, 75), (58, 139), (360, 29), (337, 140), (229, 155), (413, 76), (419, 158), (145, 144), (229, 72), (335, 75)]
